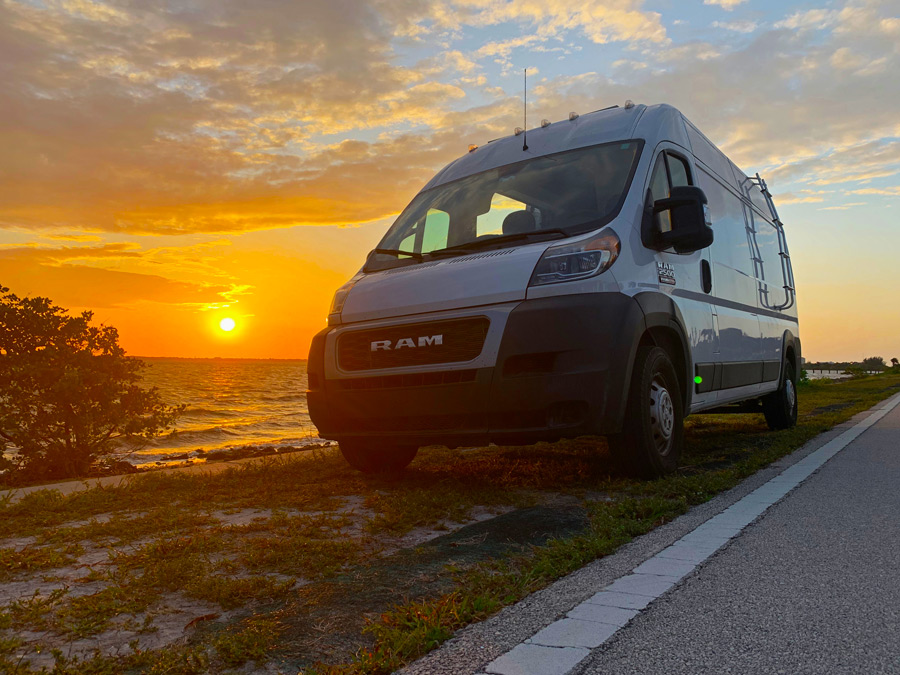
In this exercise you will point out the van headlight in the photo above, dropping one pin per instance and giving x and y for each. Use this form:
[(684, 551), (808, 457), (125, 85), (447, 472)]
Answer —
[(340, 297), (568, 262)]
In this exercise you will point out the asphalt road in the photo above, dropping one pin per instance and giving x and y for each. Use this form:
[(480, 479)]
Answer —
[(812, 587)]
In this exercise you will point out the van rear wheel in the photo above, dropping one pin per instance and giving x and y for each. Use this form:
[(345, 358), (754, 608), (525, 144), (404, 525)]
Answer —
[(370, 457), (653, 431), (780, 407)]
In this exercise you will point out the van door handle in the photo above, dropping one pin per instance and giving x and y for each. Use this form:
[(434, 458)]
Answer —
[(706, 276)]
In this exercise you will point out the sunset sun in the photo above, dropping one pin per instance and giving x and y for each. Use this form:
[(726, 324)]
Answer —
[(227, 324)]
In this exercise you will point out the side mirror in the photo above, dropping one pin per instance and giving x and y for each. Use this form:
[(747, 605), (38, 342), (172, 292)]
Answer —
[(691, 226)]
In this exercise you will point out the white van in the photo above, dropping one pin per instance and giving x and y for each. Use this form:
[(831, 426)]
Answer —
[(606, 274)]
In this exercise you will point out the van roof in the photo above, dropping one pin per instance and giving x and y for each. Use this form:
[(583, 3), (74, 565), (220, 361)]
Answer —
[(653, 124), (601, 126)]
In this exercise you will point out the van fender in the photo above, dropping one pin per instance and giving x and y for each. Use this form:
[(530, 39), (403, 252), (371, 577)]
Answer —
[(792, 342), (661, 312)]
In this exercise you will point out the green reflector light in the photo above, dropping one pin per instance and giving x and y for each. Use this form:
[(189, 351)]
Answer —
[(698, 379)]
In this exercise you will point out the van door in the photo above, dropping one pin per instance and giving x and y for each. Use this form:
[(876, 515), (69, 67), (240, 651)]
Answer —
[(738, 369), (681, 275)]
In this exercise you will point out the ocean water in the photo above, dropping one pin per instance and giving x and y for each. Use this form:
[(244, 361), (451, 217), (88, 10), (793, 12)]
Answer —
[(230, 403)]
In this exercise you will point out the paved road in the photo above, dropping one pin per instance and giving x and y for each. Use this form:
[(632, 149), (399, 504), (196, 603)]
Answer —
[(752, 582), (812, 587)]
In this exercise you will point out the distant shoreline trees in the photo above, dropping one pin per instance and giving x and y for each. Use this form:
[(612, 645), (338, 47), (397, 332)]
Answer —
[(869, 363), (68, 392)]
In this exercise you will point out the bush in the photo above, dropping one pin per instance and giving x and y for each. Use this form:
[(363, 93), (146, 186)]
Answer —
[(873, 363), (67, 390)]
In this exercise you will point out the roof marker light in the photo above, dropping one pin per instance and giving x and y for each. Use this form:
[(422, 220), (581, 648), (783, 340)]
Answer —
[(629, 104), (545, 124), (517, 131), (573, 116), (472, 147)]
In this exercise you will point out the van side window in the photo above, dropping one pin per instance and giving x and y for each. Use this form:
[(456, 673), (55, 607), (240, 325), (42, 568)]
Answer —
[(678, 170), (659, 189), (664, 178)]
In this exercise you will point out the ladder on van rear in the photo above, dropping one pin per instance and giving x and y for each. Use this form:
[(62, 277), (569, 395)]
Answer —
[(786, 270)]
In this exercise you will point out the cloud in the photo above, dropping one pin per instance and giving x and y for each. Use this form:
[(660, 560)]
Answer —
[(48, 255), (724, 4), (736, 26), (232, 117), (810, 19), (72, 237), (842, 207), (776, 104), (893, 191), (601, 21), (802, 197), (851, 163), (37, 271), (109, 114)]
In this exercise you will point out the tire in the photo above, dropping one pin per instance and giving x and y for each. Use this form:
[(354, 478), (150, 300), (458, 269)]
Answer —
[(652, 434), (780, 407), (376, 458)]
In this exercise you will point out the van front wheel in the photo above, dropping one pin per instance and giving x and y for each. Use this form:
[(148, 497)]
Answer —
[(780, 407), (375, 458), (653, 430)]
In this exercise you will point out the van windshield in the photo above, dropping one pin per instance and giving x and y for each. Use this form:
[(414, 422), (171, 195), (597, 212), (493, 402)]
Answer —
[(547, 197)]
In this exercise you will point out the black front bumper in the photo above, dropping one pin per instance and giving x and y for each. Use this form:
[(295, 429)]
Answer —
[(562, 370)]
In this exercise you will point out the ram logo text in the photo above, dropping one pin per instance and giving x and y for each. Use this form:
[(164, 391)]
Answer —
[(424, 341)]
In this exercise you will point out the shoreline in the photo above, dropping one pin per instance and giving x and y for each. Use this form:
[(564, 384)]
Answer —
[(212, 458)]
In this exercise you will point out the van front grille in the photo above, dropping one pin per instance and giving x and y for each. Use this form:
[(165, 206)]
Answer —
[(420, 344), (409, 380)]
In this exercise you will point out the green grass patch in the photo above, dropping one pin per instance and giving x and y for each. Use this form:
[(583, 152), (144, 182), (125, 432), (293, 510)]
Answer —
[(250, 641), (30, 558)]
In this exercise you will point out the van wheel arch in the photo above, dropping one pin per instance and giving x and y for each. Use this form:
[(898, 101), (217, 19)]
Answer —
[(791, 351), (665, 329)]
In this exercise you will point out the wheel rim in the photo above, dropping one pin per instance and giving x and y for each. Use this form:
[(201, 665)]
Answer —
[(791, 394), (662, 416)]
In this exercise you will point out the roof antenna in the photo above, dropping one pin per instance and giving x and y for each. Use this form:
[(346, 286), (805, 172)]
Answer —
[(525, 111)]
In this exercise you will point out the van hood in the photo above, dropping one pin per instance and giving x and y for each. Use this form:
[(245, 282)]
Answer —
[(495, 276)]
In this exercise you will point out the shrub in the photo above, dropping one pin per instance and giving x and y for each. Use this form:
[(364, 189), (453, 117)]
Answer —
[(67, 390)]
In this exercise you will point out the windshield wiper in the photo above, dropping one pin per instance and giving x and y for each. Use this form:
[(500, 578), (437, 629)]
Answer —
[(397, 253)]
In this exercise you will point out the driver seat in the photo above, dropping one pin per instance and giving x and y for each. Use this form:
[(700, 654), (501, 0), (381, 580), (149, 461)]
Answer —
[(519, 222)]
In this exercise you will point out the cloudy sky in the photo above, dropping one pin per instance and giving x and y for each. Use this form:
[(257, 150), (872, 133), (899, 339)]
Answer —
[(169, 163)]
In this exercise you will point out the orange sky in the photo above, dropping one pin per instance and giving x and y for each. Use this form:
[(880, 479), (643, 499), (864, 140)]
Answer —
[(166, 166)]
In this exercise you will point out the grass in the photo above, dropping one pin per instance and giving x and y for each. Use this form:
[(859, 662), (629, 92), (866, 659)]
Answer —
[(314, 528)]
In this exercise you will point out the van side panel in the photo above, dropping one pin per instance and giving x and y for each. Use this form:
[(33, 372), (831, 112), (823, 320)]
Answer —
[(734, 290)]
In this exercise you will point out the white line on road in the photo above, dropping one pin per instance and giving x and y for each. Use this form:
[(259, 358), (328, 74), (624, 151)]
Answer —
[(556, 649)]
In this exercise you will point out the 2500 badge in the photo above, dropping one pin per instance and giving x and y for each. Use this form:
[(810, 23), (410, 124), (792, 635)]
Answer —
[(666, 272)]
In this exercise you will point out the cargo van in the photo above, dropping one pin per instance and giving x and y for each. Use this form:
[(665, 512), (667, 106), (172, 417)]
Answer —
[(606, 274)]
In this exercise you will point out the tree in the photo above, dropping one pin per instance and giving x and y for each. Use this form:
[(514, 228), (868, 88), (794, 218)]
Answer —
[(67, 390), (873, 363), (895, 362)]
